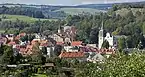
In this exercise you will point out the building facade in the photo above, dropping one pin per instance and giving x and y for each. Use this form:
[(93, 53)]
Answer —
[(111, 39)]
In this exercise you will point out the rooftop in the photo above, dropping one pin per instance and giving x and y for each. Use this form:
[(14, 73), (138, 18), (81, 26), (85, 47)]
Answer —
[(72, 55)]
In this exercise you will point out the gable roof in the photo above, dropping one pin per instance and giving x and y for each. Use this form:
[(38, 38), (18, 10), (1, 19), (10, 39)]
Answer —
[(76, 43), (60, 43), (72, 55), (12, 43)]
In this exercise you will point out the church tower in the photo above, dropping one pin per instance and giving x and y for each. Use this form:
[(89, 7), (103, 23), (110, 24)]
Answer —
[(101, 36), (59, 30)]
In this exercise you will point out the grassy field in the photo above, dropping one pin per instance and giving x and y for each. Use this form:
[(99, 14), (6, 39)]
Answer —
[(23, 18), (75, 11), (39, 75)]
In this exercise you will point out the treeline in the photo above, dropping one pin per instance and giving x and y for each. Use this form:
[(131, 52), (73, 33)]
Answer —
[(31, 12), (128, 5), (37, 27)]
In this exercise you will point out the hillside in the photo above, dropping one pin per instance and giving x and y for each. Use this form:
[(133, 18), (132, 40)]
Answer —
[(7, 17), (124, 11), (76, 11)]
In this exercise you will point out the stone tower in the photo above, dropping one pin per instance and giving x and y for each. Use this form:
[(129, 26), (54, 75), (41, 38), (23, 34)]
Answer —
[(101, 36)]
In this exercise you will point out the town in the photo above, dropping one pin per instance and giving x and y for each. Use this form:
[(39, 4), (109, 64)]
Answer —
[(86, 40)]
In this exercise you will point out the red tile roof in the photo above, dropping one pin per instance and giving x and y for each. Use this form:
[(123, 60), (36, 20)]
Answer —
[(60, 43), (72, 55), (44, 44), (12, 43), (76, 43), (22, 50)]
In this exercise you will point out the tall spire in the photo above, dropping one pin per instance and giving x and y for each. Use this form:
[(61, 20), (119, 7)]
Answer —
[(102, 27)]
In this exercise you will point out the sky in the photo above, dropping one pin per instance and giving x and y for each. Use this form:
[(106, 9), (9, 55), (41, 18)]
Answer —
[(66, 2)]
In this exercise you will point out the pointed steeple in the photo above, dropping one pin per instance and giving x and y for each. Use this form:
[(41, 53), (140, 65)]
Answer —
[(102, 26), (59, 29)]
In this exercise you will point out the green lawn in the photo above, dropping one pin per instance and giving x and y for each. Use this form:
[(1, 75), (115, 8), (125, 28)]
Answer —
[(21, 17), (75, 11), (39, 75)]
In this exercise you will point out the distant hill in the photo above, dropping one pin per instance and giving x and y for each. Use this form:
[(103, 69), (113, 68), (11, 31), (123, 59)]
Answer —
[(55, 12), (7, 17), (61, 12), (76, 11)]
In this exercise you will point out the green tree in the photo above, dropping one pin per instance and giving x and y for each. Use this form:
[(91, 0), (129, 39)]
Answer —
[(105, 44), (57, 50), (7, 57), (121, 43), (24, 38)]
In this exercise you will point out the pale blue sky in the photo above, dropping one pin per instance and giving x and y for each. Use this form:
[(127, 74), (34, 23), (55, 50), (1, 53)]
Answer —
[(65, 2)]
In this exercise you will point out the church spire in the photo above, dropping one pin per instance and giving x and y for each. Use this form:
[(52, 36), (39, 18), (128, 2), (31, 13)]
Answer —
[(102, 26), (59, 29)]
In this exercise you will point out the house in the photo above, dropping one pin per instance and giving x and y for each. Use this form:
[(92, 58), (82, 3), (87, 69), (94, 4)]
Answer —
[(95, 58), (74, 47), (78, 55), (10, 37), (57, 38), (11, 43), (3, 40), (76, 43), (50, 51), (92, 45)]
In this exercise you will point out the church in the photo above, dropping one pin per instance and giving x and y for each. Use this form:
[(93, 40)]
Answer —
[(111, 39)]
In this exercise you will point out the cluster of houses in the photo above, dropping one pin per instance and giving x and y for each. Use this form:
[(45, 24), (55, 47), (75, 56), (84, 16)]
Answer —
[(66, 38)]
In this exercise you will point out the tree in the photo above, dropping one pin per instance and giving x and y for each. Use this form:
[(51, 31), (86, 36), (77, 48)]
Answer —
[(47, 32), (57, 50), (24, 38), (38, 58), (30, 37), (7, 57), (35, 49), (105, 44), (13, 31), (94, 36), (121, 43)]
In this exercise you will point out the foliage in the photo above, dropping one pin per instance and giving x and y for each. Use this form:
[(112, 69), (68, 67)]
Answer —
[(57, 50), (119, 65), (105, 44), (7, 56), (121, 43)]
